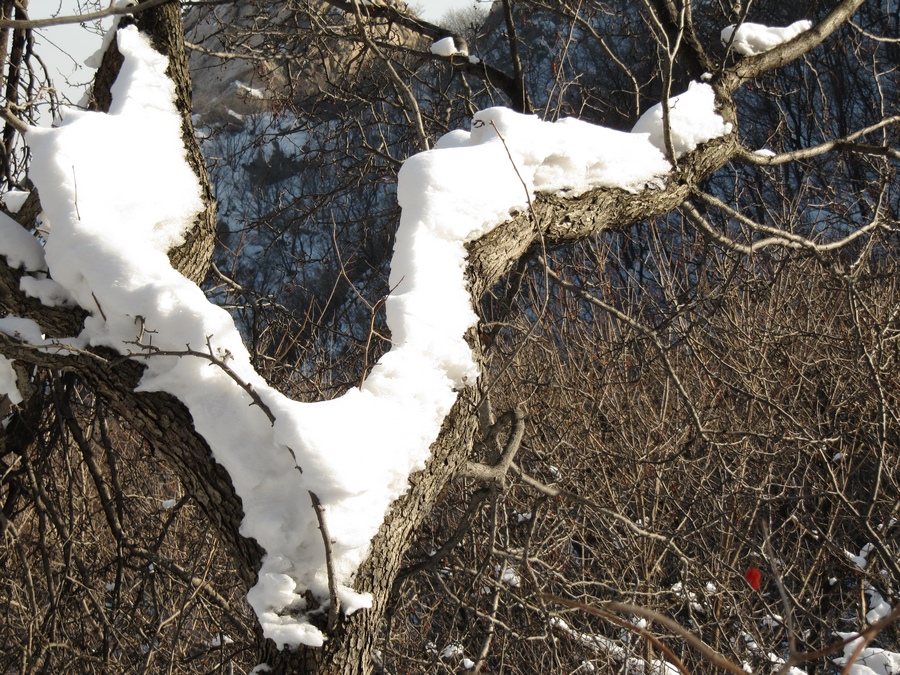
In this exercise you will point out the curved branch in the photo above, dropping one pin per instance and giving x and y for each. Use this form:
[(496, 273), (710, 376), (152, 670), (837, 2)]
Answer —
[(753, 66), (845, 143), (777, 237)]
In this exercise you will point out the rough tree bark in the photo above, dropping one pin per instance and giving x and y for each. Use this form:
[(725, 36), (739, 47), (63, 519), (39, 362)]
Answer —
[(166, 424)]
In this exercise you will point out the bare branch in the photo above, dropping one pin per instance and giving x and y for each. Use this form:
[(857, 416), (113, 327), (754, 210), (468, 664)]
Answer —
[(844, 143), (112, 10), (335, 604)]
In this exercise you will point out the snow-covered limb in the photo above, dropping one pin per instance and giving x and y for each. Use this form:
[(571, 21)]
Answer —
[(391, 538), (450, 46), (119, 195), (754, 38)]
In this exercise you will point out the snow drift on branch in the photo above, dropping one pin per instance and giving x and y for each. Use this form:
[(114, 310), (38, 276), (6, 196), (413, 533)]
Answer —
[(754, 38), (692, 120)]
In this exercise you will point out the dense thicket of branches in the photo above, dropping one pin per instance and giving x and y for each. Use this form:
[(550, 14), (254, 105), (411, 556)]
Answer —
[(677, 386)]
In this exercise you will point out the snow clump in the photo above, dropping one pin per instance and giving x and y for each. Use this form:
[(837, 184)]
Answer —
[(450, 46), (692, 120), (754, 38)]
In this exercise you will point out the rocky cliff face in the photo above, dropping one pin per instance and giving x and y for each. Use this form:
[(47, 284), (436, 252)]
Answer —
[(258, 57)]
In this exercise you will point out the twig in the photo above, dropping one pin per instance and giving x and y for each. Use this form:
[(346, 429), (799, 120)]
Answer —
[(777, 236), (97, 302), (867, 635), (465, 524), (520, 101), (215, 360), (335, 605), (776, 575), (405, 91), (498, 472), (75, 201), (546, 300), (221, 363), (641, 328), (627, 625)]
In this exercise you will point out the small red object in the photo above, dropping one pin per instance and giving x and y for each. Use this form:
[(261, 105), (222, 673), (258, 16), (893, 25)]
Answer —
[(753, 577)]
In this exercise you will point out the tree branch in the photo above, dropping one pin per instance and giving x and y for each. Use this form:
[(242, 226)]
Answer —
[(82, 18), (754, 66)]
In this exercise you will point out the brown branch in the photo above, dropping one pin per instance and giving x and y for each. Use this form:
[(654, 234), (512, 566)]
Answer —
[(82, 18), (520, 102), (497, 473), (335, 605), (405, 91), (778, 237), (753, 66), (13, 121)]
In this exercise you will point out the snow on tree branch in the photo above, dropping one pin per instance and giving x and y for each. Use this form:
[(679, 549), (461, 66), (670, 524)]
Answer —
[(754, 38), (118, 194)]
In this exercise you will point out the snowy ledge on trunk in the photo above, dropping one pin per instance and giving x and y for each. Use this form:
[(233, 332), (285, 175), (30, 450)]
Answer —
[(117, 195)]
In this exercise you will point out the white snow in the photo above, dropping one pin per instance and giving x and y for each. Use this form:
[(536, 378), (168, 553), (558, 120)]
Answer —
[(20, 248), (878, 606), (861, 560), (754, 38), (14, 199), (252, 92), (220, 640), (117, 194), (509, 576), (21, 329), (46, 290), (692, 120), (447, 47), (25, 330), (453, 650), (599, 643), (870, 661), (771, 621), (9, 381), (168, 504)]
